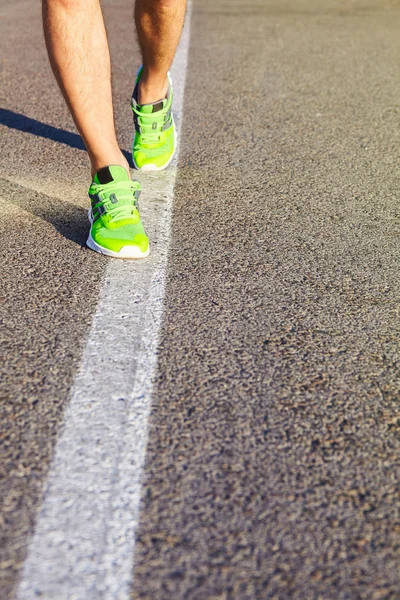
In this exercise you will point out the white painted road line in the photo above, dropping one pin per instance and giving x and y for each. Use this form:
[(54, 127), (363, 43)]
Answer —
[(83, 544)]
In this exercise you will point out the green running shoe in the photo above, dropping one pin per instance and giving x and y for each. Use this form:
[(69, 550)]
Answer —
[(116, 229), (154, 141)]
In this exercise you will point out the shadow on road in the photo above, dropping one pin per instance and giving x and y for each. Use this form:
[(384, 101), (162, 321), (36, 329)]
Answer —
[(68, 219), (20, 122)]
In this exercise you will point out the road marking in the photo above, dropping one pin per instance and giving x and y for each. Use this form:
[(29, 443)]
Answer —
[(83, 544)]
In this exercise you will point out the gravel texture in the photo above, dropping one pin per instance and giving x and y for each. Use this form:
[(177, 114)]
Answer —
[(49, 281), (273, 463), (273, 459)]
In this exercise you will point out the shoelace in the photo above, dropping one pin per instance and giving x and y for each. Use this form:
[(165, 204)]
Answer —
[(145, 122), (120, 204)]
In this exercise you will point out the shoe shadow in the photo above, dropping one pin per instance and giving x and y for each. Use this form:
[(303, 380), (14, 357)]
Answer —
[(14, 120), (68, 219)]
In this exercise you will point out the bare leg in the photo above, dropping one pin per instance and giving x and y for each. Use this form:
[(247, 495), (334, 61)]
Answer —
[(78, 50), (159, 26)]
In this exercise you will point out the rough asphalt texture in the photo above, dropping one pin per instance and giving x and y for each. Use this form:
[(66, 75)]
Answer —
[(49, 280), (273, 462)]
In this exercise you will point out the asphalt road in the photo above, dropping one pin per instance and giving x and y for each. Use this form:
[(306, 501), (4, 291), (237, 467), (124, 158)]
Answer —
[(272, 466)]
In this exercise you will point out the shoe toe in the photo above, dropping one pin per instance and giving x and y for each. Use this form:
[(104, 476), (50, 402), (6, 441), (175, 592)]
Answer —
[(141, 241), (140, 158)]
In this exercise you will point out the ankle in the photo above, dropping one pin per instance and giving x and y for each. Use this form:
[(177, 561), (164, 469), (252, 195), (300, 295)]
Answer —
[(151, 89), (107, 160)]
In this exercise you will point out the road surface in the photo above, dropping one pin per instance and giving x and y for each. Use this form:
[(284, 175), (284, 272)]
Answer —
[(264, 445)]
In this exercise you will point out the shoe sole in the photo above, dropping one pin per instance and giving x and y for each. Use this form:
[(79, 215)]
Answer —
[(125, 252), (152, 167)]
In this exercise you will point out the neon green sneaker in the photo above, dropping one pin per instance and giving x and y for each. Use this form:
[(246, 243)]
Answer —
[(116, 229), (154, 141)]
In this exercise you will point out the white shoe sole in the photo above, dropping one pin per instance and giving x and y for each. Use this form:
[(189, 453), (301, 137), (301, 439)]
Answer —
[(125, 252)]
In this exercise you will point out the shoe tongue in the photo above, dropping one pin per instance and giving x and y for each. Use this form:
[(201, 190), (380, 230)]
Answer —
[(111, 173), (148, 109)]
